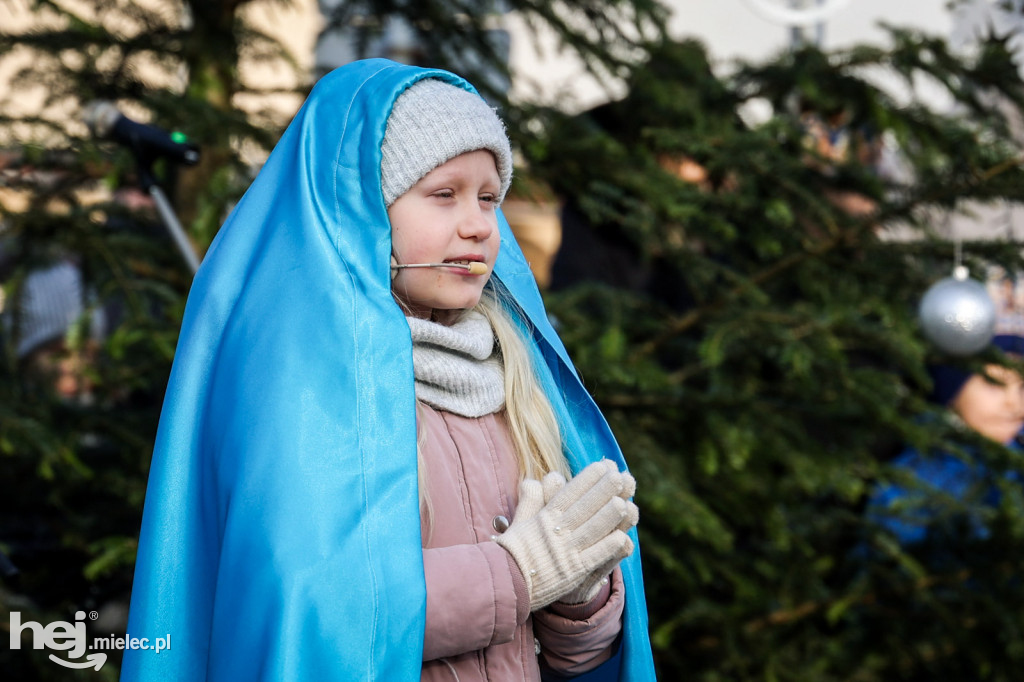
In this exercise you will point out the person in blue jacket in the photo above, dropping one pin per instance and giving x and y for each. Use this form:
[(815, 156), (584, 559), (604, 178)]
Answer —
[(281, 537), (992, 404)]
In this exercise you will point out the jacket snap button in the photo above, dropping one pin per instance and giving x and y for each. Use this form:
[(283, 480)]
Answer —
[(500, 523)]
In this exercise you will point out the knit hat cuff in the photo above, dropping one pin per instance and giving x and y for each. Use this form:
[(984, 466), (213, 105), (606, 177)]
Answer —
[(433, 122)]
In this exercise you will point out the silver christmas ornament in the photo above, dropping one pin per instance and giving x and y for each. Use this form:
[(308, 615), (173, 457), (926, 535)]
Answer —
[(958, 315), (790, 13)]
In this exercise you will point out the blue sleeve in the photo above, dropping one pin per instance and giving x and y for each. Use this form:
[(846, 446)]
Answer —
[(905, 510)]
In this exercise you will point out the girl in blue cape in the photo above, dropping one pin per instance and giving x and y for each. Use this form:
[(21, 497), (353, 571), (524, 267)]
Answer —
[(375, 460)]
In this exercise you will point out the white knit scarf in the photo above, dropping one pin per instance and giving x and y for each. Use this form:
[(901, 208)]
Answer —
[(455, 366)]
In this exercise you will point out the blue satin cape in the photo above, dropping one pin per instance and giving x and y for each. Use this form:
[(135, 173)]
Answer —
[(281, 534)]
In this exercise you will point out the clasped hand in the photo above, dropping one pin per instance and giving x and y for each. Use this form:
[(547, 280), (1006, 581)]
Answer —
[(567, 537)]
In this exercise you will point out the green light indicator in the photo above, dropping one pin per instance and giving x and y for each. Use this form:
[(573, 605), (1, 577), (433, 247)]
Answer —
[(179, 137)]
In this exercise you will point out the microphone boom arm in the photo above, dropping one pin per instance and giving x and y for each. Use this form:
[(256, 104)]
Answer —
[(181, 240), (148, 143)]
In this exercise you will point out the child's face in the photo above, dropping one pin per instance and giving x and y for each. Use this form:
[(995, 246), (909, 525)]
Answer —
[(993, 410), (448, 216)]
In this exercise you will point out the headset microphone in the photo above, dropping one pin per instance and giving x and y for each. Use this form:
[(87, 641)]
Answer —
[(475, 268)]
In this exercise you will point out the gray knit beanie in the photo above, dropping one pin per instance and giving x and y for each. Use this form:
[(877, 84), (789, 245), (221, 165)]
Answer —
[(433, 122)]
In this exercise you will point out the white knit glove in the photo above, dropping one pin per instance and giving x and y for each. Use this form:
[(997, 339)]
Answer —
[(593, 583), (559, 544)]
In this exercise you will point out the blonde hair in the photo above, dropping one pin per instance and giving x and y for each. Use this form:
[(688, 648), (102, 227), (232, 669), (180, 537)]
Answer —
[(531, 421)]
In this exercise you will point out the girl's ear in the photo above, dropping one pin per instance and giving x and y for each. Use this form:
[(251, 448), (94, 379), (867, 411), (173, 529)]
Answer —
[(394, 267)]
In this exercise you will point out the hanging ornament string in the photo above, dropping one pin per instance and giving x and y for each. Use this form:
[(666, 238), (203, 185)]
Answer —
[(960, 271), (956, 313)]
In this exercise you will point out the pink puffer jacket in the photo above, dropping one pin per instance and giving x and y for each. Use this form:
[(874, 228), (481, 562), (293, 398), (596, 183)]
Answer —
[(478, 622)]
